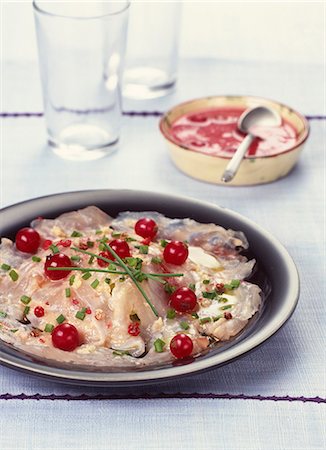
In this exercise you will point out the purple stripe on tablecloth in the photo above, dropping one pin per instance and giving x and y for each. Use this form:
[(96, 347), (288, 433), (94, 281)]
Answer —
[(197, 396), (125, 113)]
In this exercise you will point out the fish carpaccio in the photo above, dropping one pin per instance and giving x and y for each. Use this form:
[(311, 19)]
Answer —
[(116, 324)]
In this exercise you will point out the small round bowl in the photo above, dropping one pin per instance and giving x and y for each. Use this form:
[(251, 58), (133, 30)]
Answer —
[(253, 170)]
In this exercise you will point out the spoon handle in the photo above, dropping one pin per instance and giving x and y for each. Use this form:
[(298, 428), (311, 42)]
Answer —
[(233, 165)]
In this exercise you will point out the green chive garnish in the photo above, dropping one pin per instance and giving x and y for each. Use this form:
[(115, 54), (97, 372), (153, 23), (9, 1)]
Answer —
[(194, 315), (68, 292), (169, 288), (170, 314), (3, 314), (14, 330), (156, 260), (116, 234), (163, 243), (107, 280), (72, 280), (98, 232), (90, 244), (54, 249), (61, 318), (184, 325), (192, 286), (76, 234), (159, 345), (48, 327), (26, 310), (205, 320), (223, 308), (130, 239), (80, 315), (143, 249), (233, 285), (120, 353), (91, 260), (86, 276), (5, 266), (210, 295), (25, 299), (36, 258), (222, 300), (95, 283), (13, 275), (216, 318), (206, 281), (75, 258)]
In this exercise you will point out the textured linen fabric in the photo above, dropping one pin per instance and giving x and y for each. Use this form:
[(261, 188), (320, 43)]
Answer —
[(282, 382)]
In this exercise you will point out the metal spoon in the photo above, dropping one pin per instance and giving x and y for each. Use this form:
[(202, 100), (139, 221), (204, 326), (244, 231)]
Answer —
[(257, 116)]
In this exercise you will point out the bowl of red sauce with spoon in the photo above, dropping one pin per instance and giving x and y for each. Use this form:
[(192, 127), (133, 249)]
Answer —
[(202, 137)]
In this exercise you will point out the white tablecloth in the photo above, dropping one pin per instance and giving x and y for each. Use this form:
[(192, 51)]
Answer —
[(274, 397)]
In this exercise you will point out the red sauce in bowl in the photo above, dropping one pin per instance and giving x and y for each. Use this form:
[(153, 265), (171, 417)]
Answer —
[(214, 132)]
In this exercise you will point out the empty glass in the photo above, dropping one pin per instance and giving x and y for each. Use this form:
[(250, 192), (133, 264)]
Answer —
[(152, 49), (81, 53)]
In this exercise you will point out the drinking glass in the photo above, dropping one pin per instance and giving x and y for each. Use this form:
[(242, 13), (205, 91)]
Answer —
[(81, 52), (152, 49)]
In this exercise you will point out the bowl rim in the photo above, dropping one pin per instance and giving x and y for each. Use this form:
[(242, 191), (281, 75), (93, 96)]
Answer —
[(162, 374), (168, 136)]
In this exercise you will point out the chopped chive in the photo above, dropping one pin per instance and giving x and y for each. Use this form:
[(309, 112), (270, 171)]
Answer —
[(90, 244), (98, 232), (36, 258), (206, 281), (159, 345), (156, 260), (205, 320), (232, 285), (192, 286), (95, 283), (210, 295), (14, 330), (76, 234), (169, 288), (48, 327), (54, 249), (80, 315), (194, 315), (68, 292), (116, 234), (72, 280), (163, 243), (170, 314), (101, 247), (112, 267), (223, 308), (86, 276), (75, 258), (91, 259), (222, 300), (120, 353), (61, 318), (184, 325), (25, 299), (143, 249), (5, 266), (216, 318), (107, 280), (26, 310), (130, 239), (132, 262), (3, 314), (13, 275)]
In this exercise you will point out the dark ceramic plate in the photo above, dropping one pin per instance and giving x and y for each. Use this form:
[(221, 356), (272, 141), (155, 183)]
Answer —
[(275, 273)]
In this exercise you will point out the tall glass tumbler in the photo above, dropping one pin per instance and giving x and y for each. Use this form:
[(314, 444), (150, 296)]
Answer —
[(152, 48), (81, 52)]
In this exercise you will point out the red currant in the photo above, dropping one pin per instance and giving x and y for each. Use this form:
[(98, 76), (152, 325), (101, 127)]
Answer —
[(28, 240), (133, 329), (39, 311), (183, 300), (146, 228), (175, 252), (120, 247), (181, 346), (106, 255), (65, 337), (57, 260)]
